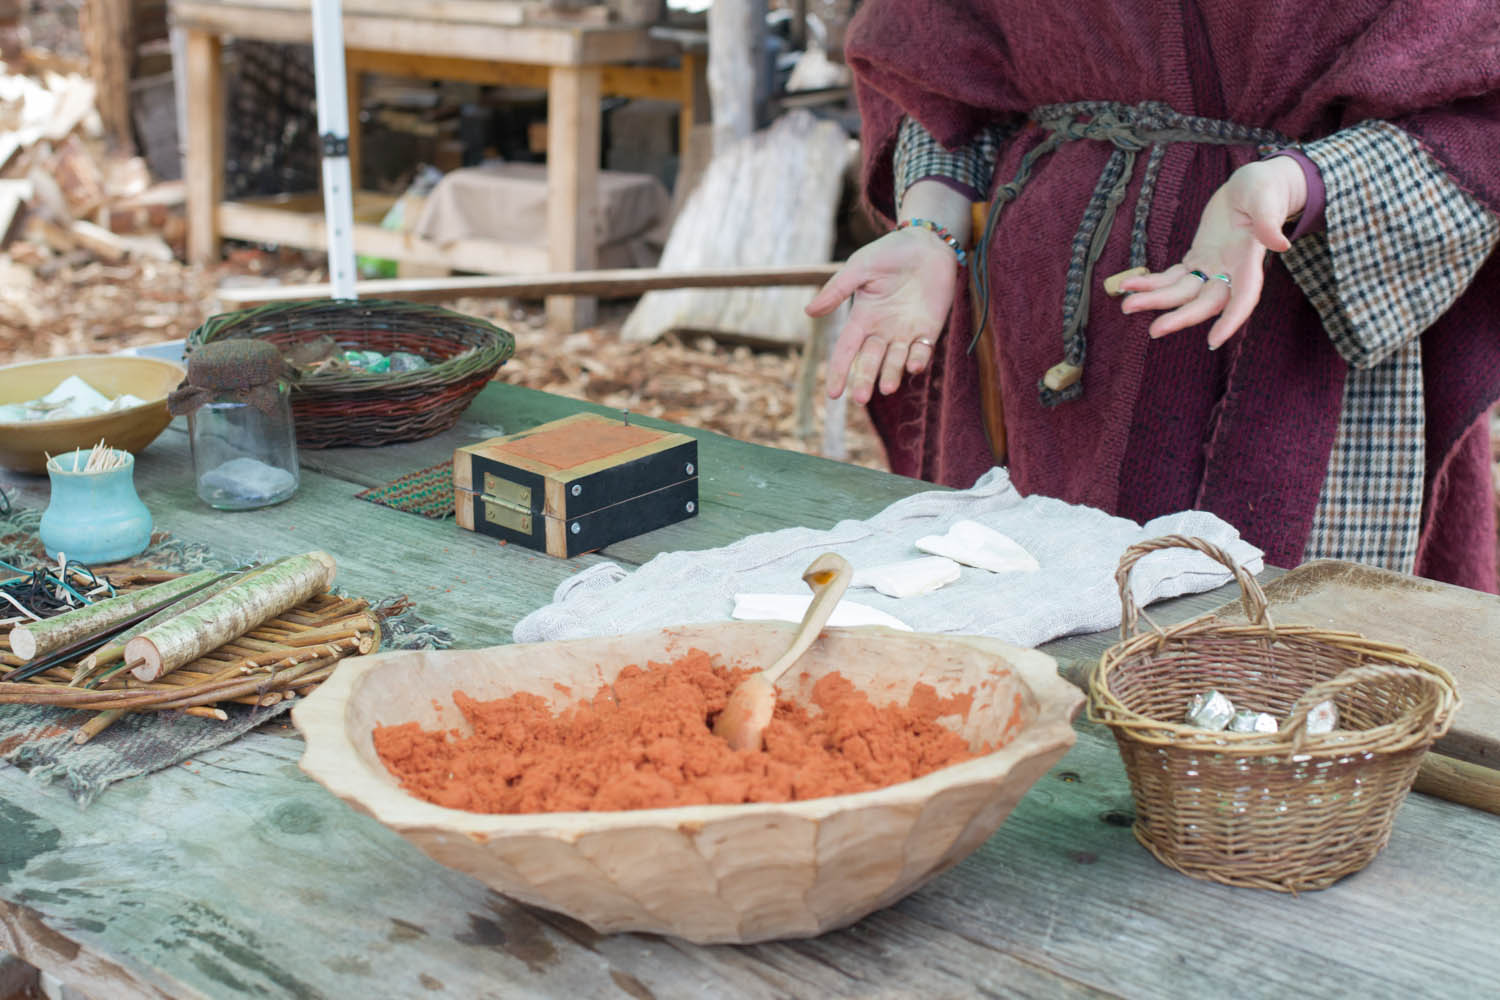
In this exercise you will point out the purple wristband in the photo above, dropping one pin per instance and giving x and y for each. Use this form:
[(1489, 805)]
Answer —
[(953, 184), (1311, 219)]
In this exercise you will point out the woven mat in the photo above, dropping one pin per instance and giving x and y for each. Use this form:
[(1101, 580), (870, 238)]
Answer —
[(428, 492), (39, 738)]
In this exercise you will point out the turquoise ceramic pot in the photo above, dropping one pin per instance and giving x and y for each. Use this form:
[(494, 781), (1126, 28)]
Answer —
[(94, 517)]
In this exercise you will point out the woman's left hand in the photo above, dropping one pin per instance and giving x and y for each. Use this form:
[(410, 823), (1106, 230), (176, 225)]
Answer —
[(1221, 274)]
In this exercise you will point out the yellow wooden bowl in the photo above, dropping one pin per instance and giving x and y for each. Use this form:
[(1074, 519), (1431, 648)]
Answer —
[(731, 874), (24, 445)]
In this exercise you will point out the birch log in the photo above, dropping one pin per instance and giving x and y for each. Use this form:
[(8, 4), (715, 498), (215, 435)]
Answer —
[(36, 638), (769, 201), (114, 650), (231, 614)]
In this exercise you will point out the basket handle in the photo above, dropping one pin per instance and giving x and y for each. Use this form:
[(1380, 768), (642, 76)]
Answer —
[(1441, 695), (1251, 596)]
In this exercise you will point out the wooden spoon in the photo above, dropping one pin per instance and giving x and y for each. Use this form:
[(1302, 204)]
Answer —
[(752, 702)]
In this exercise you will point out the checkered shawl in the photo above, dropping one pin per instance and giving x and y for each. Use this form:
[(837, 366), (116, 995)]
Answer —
[(1374, 297)]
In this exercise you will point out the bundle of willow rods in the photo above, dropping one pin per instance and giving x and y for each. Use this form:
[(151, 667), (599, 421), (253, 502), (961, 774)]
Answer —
[(281, 657)]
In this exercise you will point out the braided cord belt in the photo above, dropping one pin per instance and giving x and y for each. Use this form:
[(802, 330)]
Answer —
[(1130, 129)]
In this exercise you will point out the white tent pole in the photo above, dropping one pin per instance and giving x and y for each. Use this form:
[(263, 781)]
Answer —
[(333, 130)]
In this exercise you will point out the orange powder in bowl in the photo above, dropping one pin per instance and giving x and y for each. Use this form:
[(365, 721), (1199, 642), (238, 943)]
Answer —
[(646, 742)]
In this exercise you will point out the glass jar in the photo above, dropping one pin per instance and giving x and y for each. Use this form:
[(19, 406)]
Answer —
[(239, 414)]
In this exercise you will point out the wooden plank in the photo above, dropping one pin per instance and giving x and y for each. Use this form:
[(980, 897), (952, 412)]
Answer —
[(655, 83), (248, 221), (573, 122), (548, 45), (13, 194), (204, 163), (1453, 627), (616, 283), (495, 12), (425, 66), (77, 99)]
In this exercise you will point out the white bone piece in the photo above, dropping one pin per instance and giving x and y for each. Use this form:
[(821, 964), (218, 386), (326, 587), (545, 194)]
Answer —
[(791, 608), (974, 544), (909, 577)]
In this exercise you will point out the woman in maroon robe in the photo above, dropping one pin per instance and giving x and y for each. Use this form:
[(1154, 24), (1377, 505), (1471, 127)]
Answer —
[(1345, 414)]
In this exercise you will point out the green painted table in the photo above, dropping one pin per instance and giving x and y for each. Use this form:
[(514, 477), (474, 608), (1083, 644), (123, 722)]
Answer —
[(235, 876)]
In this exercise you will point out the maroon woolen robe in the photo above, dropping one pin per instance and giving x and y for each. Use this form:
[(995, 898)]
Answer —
[(1166, 425)]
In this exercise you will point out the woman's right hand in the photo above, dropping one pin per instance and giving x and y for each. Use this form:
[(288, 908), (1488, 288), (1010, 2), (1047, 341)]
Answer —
[(903, 286)]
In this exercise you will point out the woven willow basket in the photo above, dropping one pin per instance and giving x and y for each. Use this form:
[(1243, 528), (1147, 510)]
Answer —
[(341, 408), (1284, 810)]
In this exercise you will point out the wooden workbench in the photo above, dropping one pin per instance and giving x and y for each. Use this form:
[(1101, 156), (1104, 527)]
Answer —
[(234, 876), (467, 40)]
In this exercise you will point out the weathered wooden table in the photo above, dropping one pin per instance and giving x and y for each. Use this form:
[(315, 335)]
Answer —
[(235, 876)]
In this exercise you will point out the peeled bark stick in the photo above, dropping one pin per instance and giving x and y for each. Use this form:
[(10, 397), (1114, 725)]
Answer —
[(97, 725), (114, 650), (34, 638), (231, 614)]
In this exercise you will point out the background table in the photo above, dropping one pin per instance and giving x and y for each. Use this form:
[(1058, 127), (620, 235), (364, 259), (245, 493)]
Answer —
[(233, 875), (465, 40)]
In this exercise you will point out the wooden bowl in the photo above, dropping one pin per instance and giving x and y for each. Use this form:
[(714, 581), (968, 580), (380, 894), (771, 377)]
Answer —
[(709, 874), (24, 445)]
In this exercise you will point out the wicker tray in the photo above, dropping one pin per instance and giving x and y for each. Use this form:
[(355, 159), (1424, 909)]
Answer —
[(1286, 810), (283, 658), (344, 408)]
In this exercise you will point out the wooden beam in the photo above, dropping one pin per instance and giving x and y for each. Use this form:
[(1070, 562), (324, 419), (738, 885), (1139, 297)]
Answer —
[(1459, 781), (422, 66), (549, 45), (617, 283), (262, 224)]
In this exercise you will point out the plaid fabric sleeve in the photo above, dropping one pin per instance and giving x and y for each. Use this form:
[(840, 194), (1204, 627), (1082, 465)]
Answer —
[(919, 156), (1402, 241)]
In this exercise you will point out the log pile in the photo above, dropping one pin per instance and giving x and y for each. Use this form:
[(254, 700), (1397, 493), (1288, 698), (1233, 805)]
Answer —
[(61, 187)]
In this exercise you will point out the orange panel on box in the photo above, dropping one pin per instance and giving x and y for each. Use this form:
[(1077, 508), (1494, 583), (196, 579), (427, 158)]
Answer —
[(577, 443)]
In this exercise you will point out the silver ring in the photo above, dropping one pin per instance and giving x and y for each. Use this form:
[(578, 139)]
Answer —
[(1199, 275), (923, 341), (1224, 278)]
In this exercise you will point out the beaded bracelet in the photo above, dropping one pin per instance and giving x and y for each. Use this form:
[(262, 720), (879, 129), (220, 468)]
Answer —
[(941, 233)]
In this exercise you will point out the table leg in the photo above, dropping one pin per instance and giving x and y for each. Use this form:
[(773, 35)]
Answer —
[(573, 122), (354, 78), (204, 159), (687, 115)]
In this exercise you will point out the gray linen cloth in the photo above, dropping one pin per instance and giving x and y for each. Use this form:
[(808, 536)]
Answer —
[(1078, 547)]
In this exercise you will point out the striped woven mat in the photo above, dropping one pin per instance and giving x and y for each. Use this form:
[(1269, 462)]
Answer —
[(428, 492)]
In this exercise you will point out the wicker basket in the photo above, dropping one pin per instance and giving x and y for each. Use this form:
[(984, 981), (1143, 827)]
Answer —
[(1285, 810), (341, 408)]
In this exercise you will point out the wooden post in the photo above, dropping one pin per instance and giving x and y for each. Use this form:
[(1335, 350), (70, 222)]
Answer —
[(687, 103), (110, 41), (10, 47), (573, 123), (354, 76), (799, 24), (731, 71), (204, 167)]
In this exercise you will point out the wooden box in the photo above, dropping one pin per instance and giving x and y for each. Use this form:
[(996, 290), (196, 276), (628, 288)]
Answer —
[(576, 484)]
